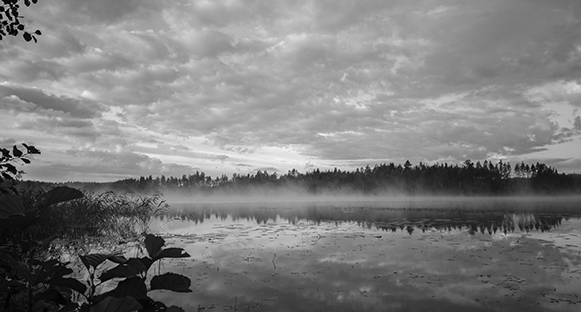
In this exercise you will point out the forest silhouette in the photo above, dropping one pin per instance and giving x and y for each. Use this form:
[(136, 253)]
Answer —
[(467, 179)]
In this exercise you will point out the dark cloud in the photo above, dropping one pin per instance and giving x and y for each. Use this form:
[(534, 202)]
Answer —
[(128, 163), (242, 165), (27, 70), (577, 123), (74, 107)]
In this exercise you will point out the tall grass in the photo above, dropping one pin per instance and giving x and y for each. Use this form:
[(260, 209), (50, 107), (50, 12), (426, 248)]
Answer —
[(109, 215)]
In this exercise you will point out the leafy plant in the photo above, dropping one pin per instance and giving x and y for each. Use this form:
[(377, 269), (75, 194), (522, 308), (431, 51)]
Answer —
[(24, 274), (132, 290), (8, 172), (29, 281)]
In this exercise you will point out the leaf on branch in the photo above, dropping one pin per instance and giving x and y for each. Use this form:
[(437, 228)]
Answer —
[(60, 194), (110, 304), (172, 253), (5, 153), (93, 260), (16, 152), (117, 259), (147, 262), (31, 149), (51, 295), (11, 205), (27, 36), (10, 168), (171, 281), (133, 287), (130, 269), (46, 242), (49, 269), (70, 307), (71, 283), (7, 176), (26, 161), (153, 244)]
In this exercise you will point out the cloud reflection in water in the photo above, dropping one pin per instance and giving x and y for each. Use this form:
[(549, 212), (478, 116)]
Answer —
[(330, 258)]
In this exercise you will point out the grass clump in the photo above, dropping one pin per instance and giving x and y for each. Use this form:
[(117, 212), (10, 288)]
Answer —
[(105, 215)]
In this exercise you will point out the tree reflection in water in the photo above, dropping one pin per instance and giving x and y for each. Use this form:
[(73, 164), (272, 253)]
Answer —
[(487, 219), (377, 257)]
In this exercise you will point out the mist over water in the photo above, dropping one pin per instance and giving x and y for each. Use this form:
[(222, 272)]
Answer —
[(387, 200), (378, 253)]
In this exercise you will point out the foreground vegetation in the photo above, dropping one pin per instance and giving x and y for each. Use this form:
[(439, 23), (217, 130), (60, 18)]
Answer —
[(32, 278)]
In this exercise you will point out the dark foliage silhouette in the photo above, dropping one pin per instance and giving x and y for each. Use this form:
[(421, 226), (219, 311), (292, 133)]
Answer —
[(8, 161), (10, 20)]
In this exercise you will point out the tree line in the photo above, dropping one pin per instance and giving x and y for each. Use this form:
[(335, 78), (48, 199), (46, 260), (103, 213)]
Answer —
[(468, 178)]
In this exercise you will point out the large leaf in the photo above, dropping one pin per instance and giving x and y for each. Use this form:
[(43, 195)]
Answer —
[(48, 269), (117, 259), (153, 244), (93, 260), (132, 287), (133, 267), (71, 307), (60, 194), (69, 283), (147, 262), (46, 242), (10, 205), (16, 152), (171, 281), (172, 253), (110, 304), (18, 222), (53, 295)]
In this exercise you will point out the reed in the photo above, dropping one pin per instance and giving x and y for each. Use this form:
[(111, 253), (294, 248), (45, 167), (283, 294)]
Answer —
[(119, 216)]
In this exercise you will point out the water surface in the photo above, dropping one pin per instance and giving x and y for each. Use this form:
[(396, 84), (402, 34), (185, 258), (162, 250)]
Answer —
[(473, 255)]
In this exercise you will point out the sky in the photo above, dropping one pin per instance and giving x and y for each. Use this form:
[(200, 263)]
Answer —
[(118, 89)]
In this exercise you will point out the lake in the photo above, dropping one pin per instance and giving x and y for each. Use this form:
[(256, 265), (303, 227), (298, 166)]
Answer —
[(421, 254)]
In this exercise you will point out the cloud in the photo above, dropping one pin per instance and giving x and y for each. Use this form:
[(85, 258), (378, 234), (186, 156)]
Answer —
[(127, 163), (7, 141), (577, 123), (568, 91), (46, 101), (328, 82)]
